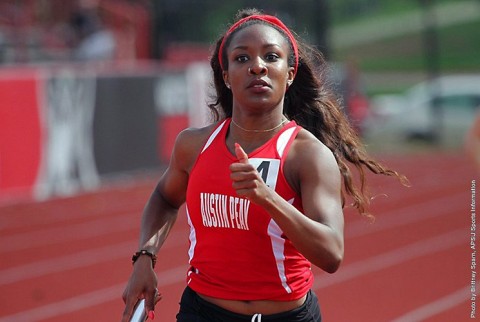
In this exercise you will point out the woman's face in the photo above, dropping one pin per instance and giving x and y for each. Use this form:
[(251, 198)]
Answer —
[(258, 71)]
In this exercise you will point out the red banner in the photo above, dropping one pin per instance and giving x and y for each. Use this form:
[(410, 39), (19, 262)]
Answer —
[(20, 133)]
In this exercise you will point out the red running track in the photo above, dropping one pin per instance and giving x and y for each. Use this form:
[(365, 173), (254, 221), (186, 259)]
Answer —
[(69, 259)]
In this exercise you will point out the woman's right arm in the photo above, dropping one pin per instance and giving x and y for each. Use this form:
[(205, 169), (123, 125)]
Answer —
[(158, 217)]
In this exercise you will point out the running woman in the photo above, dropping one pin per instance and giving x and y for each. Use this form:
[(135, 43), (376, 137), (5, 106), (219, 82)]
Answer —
[(262, 184)]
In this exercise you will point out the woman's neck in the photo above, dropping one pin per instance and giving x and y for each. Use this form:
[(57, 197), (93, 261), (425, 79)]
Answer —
[(251, 138)]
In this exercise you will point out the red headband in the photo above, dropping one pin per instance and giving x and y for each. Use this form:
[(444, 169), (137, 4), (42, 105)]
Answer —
[(269, 19)]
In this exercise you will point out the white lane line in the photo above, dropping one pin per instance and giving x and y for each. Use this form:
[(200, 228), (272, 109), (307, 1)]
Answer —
[(392, 258), (80, 231), (175, 275), (436, 307), (407, 215), (80, 302), (421, 182), (64, 263), (77, 260), (399, 217), (86, 258), (59, 212)]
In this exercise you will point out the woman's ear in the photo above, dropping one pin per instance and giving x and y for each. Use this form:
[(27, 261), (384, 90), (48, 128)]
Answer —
[(291, 75), (225, 78)]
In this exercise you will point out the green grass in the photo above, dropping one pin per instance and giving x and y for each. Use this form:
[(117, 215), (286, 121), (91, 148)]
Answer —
[(347, 11), (459, 48)]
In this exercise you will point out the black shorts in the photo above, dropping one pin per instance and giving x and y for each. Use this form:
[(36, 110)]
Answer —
[(195, 309)]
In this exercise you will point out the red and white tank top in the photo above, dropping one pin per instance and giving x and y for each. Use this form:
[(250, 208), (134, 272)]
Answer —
[(237, 251)]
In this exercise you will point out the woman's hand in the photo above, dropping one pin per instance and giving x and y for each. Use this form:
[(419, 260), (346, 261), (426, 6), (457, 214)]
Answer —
[(142, 285), (246, 180), (317, 232)]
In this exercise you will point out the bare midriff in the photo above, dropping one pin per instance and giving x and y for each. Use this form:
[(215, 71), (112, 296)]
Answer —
[(254, 307)]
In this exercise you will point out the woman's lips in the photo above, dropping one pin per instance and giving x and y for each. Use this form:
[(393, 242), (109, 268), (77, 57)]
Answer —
[(259, 86)]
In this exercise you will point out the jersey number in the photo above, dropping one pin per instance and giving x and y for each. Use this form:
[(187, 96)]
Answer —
[(268, 170)]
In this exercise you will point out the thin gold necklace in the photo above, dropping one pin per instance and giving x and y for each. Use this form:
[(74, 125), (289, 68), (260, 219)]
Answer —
[(260, 131)]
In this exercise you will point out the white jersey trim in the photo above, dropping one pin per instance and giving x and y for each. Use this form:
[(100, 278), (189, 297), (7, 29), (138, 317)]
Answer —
[(278, 246), (192, 237), (213, 136), (283, 140)]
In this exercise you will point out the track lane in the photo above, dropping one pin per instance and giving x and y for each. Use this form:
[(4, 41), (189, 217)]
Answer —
[(376, 239)]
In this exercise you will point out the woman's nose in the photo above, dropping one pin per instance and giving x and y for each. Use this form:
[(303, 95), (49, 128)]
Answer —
[(257, 68)]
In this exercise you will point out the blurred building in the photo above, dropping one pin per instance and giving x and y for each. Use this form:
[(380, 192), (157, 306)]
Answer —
[(50, 30), (79, 124), (57, 30)]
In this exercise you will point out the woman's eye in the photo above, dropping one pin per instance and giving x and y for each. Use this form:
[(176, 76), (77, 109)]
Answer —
[(271, 57), (241, 58)]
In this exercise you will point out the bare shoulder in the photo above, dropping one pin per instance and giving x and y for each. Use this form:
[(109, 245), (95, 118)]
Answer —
[(317, 151), (309, 158), (188, 145)]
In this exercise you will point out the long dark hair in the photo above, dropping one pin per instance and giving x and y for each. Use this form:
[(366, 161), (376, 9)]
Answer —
[(311, 102)]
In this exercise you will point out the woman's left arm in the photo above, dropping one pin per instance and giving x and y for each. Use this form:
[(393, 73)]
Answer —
[(311, 169)]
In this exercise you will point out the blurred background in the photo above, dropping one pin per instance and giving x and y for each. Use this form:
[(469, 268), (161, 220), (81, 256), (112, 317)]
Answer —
[(94, 92), (78, 76)]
